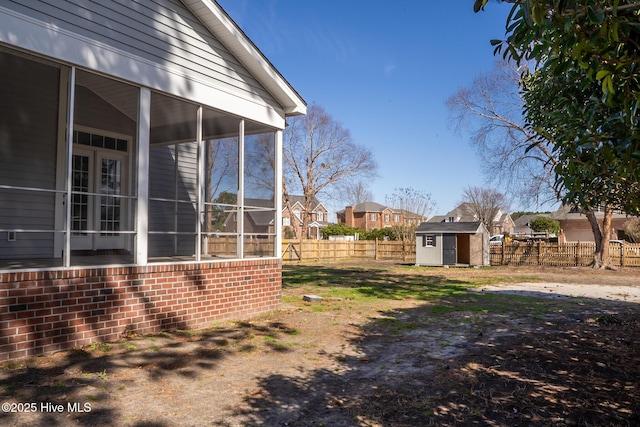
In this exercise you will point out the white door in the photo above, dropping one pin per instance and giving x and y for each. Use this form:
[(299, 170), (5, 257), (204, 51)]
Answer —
[(97, 213)]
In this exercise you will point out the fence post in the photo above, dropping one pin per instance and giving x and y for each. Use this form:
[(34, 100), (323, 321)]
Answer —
[(504, 247), (578, 247), (375, 250), (540, 257), (404, 251)]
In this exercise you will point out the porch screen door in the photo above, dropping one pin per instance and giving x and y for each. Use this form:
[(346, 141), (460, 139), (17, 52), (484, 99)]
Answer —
[(99, 176)]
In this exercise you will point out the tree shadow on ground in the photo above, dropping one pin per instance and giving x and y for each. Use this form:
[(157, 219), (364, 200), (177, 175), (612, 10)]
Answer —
[(575, 363), (457, 357), (92, 375)]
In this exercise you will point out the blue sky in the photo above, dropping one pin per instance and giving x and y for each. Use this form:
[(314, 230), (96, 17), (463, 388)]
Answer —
[(384, 70)]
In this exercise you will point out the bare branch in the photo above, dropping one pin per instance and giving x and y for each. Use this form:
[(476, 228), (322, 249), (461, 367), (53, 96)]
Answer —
[(319, 154)]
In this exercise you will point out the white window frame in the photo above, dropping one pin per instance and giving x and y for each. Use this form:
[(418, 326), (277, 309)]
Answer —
[(429, 240)]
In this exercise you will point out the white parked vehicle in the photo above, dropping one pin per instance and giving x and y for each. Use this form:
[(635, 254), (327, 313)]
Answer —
[(497, 239)]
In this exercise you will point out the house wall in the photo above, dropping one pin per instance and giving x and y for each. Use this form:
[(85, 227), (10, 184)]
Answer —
[(580, 230), (429, 255), (166, 163), (155, 43), (28, 133), (57, 310)]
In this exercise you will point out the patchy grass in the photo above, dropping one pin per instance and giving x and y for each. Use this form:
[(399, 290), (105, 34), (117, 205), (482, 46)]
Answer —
[(389, 345), (445, 290)]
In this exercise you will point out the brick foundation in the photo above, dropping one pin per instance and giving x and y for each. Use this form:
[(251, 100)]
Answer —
[(47, 311)]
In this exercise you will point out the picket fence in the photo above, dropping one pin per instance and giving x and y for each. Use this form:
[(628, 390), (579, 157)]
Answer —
[(562, 255)]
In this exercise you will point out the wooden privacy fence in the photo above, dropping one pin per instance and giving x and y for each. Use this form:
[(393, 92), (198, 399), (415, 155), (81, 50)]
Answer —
[(316, 250), (563, 254), (546, 254)]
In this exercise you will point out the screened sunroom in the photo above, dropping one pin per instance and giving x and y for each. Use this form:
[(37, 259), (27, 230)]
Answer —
[(140, 171), (95, 170)]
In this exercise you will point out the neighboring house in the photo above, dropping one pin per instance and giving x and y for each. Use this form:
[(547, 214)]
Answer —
[(575, 226), (502, 223), (521, 225), (371, 216), (111, 116), (438, 218), (452, 243), (292, 220), (259, 220)]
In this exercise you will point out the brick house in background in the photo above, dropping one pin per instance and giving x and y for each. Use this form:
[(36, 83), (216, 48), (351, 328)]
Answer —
[(371, 216), (292, 220), (575, 227)]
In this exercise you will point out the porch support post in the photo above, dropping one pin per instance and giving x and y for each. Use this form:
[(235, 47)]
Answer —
[(142, 175), (278, 186), (200, 178), (66, 258), (240, 201)]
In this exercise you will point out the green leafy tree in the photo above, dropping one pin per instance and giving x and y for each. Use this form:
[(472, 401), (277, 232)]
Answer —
[(218, 214), (582, 96), (339, 230), (386, 233), (542, 224), (595, 167)]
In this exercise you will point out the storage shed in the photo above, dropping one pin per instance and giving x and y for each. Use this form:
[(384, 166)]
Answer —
[(452, 243)]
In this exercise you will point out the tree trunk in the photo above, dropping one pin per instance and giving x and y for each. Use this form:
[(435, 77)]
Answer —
[(601, 235), (306, 215), (287, 204)]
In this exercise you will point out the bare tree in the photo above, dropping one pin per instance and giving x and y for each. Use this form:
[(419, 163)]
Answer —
[(491, 111), (356, 192), (319, 153), (632, 229), (414, 207), (485, 204), (221, 182)]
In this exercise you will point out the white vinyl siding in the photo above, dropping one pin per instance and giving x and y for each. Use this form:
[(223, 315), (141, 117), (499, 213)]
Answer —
[(28, 123), (163, 185)]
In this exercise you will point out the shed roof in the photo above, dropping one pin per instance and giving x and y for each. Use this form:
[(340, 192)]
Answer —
[(449, 227)]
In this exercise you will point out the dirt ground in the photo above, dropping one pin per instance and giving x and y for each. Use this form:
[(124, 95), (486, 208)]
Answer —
[(566, 355)]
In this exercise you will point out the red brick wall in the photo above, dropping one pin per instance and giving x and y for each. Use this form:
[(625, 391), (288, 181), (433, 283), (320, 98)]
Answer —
[(47, 311)]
